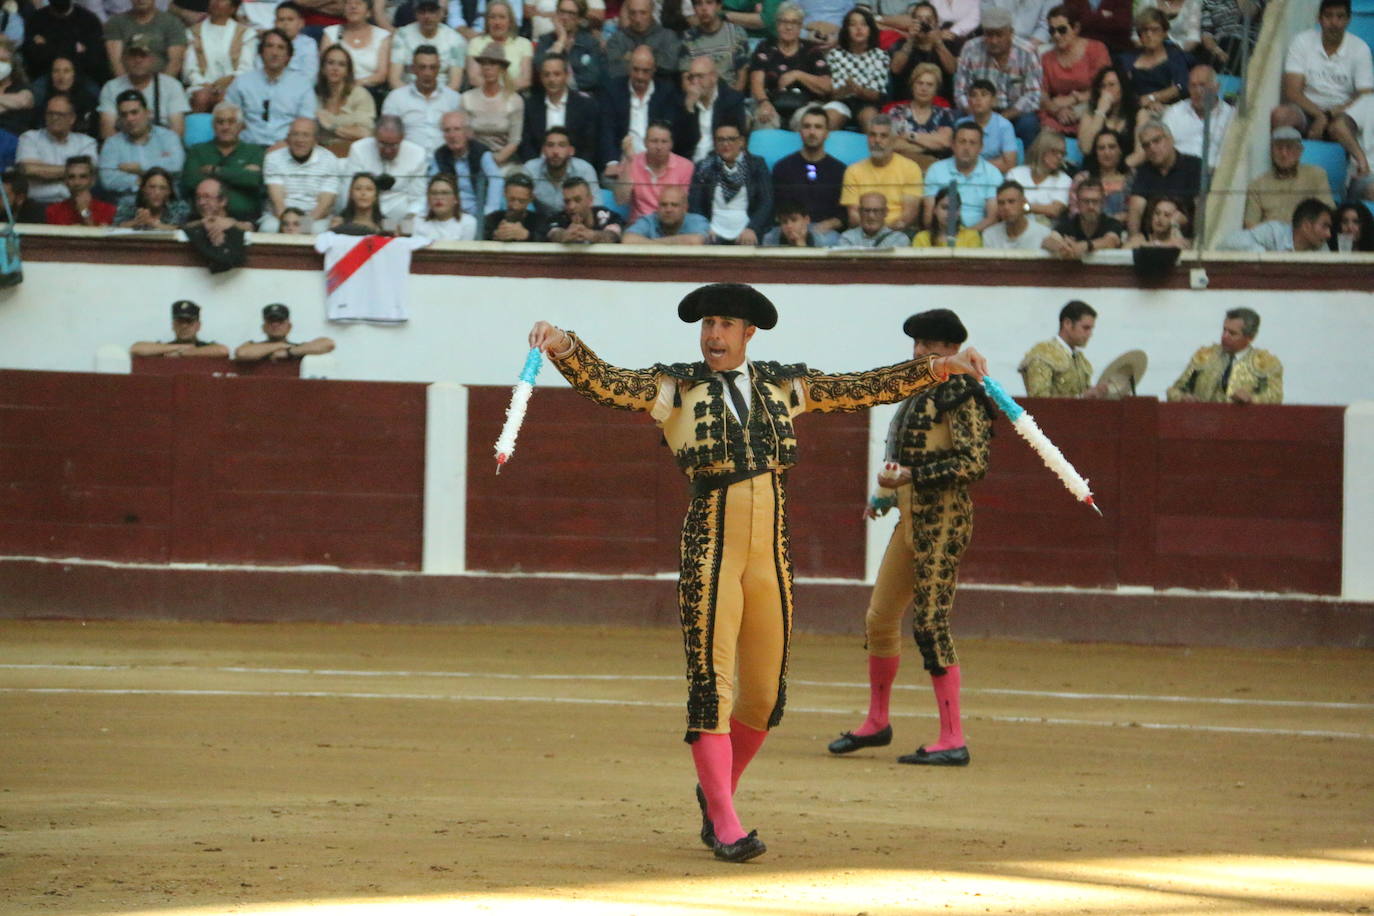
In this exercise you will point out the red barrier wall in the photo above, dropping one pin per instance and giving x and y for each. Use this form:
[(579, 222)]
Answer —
[(197, 365), (195, 468)]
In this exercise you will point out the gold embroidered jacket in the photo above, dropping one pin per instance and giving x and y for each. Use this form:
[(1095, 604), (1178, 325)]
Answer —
[(1257, 371), (1050, 371), (688, 402), (942, 434)]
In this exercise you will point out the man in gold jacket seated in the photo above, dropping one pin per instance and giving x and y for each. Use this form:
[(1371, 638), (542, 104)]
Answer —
[(1233, 371), (728, 422), (1057, 368)]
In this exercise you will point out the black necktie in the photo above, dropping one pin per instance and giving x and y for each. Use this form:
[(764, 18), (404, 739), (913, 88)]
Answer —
[(1226, 373), (741, 406)]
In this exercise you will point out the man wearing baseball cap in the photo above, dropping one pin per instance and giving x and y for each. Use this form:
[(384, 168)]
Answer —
[(185, 342), (276, 324), (728, 421), (1275, 194)]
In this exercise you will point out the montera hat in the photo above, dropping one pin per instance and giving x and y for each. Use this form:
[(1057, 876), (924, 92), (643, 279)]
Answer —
[(275, 312), (730, 300), (936, 324), (185, 309), (1124, 373), (493, 53)]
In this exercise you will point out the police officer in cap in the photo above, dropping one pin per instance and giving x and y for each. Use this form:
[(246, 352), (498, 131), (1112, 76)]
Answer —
[(185, 341), (276, 324)]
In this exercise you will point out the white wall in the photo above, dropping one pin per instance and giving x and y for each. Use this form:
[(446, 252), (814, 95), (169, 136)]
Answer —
[(472, 330)]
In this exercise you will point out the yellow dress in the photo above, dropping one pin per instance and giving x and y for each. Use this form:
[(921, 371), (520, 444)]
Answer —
[(968, 237)]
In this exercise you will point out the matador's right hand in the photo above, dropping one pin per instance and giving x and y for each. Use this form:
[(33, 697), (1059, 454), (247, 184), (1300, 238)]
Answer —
[(548, 338)]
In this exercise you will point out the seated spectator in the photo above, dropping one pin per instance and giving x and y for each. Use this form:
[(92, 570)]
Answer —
[(162, 93), (999, 137), (1274, 195), (1324, 73), (925, 132), (1184, 118), (1111, 106), (787, 75), (1058, 368), (161, 33), (362, 209), (272, 97), (1166, 222), (24, 209), (184, 342), (670, 223), (726, 44), (1105, 164), (1080, 234), (136, 148), (276, 326), (558, 163), (1013, 68), (1069, 68), (62, 77), (638, 27), (581, 221), (521, 219), (650, 172), (937, 236), (43, 153), (422, 103), (895, 177), (872, 230), (975, 177), (300, 175), (471, 165), (708, 102), (1224, 32), (344, 111), (1014, 229), (1233, 371), (397, 166), (1185, 21), (553, 104), (471, 21), (1157, 74), (1164, 173), (289, 19), (293, 222), (631, 104), (236, 163), (496, 114), (925, 42), (795, 229), (369, 45), (499, 42), (427, 29), (859, 71), (80, 207), (579, 47), (155, 207), (1352, 229), (66, 29), (1029, 18), (445, 219), (1043, 178), (811, 177), (1308, 231), (733, 190), (219, 49)]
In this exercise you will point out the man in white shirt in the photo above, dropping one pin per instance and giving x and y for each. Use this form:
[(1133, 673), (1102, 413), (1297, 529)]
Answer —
[(1325, 72), (428, 30), (301, 175), (420, 105), (1013, 229), (165, 96), (43, 152), (400, 167), (1185, 117)]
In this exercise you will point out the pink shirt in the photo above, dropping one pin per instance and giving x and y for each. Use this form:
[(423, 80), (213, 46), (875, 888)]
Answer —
[(645, 185)]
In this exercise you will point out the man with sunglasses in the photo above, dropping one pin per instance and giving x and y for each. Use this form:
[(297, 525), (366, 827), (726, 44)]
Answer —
[(811, 176)]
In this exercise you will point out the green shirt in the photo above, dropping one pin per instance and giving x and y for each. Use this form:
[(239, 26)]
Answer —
[(242, 184)]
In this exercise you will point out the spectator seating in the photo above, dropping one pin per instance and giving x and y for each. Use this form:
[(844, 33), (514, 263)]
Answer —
[(1369, 205), (1331, 157), (1020, 151), (609, 202), (847, 146), (1231, 86), (199, 128), (772, 145), (1362, 24), (1072, 153)]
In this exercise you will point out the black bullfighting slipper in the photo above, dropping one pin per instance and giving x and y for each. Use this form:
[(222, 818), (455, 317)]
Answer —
[(742, 850), (950, 757), (851, 742), (708, 830)]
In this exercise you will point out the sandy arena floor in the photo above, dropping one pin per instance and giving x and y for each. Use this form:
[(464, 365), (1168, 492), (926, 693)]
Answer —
[(160, 768)]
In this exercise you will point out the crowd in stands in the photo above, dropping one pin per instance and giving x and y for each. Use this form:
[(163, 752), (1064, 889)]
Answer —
[(577, 122)]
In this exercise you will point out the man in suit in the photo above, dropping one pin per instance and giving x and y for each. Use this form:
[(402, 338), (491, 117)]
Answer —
[(555, 105), (630, 105), (709, 102)]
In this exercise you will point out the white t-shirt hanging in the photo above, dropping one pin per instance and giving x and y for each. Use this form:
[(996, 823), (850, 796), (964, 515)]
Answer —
[(365, 276)]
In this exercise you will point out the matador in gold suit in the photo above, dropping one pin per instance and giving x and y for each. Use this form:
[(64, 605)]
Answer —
[(937, 445), (728, 422), (1234, 370)]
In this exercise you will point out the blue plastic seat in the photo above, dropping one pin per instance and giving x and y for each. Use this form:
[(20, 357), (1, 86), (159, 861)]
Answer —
[(772, 145), (609, 202), (1020, 151), (1362, 24), (847, 146), (1369, 205), (1072, 152), (1230, 86), (1331, 157), (200, 128)]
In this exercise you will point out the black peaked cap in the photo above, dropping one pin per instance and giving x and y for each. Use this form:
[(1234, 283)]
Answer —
[(936, 324), (732, 300)]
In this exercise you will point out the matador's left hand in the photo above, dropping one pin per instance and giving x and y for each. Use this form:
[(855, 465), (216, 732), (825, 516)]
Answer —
[(966, 362)]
